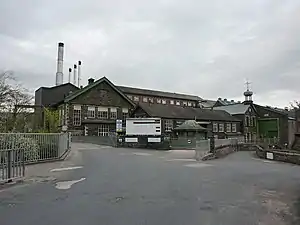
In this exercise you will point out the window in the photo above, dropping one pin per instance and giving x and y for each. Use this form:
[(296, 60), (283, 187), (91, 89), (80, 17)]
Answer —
[(168, 125), (130, 97), (151, 100), (172, 102), (136, 98), (77, 115), (103, 130), (194, 104), (164, 101), (177, 102), (251, 121), (67, 115), (184, 103), (254, 121), (228, 127), (247, 121), (145, 99), (102, 113), (158, 100), (189, 104), (215, 127), (124, 114), (113, 113), (91, 112), (221, 127), (233, 127)]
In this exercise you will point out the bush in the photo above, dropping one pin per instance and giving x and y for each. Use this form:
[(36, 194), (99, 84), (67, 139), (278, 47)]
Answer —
[(30, 146)]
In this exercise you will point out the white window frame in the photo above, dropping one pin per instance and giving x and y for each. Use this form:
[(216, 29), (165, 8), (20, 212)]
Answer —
[(164, 101), (233, 127), (189, 104), (145, 99), (254, 120), (228, 127), (172, 102), (177, 102), (103, 130), (102, 111), (129, 96), (91, 111), (168, 125), (136, 98), (158, 100), (77, 115), (113, 113), (221, 127), (151, 100), (184, 103), (215, 127)]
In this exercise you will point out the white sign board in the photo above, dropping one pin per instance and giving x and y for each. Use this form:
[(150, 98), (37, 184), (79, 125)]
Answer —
[(143, 126), (270, 155)]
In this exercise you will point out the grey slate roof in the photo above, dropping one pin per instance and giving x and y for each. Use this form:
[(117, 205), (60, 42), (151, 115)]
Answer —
[(234, 109), (188, 113), (147, 92), (208, 103), (191, 125)]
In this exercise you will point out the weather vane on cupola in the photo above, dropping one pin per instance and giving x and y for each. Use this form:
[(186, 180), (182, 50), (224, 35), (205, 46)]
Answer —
[(248, 94)]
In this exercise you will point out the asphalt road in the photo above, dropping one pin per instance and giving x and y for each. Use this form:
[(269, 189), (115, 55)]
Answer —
[(131, 186)]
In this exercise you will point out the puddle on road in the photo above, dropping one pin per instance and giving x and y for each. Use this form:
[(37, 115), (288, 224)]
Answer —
[(64, 185)]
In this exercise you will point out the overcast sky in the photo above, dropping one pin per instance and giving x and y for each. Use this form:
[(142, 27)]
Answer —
[(206, 48)]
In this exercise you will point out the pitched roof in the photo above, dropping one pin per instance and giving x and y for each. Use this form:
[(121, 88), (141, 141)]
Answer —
[(140, 91), (188, 113), (275, 110), (190, 125), (208, 103), (94, 84), (234, 109)]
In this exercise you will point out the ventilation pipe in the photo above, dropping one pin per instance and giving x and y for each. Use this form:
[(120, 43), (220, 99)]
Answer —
[(79, 73), (75, 74), (70, 74), (60, 63)]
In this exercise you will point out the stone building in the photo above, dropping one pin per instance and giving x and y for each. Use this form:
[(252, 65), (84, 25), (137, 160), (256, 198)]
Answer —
[(246, 112), (160, 97), (219, 122)]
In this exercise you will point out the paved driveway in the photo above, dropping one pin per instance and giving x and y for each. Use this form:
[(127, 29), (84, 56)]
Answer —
[(133, 186)]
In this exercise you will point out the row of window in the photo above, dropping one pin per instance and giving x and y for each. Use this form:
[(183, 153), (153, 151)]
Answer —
[(250, 121), (230, 127), (102, 113), (161, 101)]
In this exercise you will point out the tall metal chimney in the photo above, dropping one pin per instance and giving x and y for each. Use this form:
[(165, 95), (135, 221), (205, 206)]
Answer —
[(79, 73), (60, 65), (70, 74), (75, 71)]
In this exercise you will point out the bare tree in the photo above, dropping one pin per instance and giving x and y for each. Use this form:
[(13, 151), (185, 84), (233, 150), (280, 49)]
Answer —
[(13, 98)]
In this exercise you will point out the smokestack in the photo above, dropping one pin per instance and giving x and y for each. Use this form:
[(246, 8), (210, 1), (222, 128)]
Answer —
[(75, 71), (70, 74), (79, 73), (60, 60)]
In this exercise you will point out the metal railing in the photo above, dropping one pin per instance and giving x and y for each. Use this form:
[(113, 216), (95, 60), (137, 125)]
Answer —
[(37, 147), (12, 164)]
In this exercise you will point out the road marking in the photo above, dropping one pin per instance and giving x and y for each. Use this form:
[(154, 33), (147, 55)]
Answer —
[(64, 185), (198, 165), (183, 160), (141, 153), (66, 168)]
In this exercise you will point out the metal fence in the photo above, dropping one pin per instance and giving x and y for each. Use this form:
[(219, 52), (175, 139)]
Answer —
[(202, 148), (12, 164), (37, 147)]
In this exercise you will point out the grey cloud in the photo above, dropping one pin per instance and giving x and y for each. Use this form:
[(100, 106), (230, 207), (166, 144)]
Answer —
[(206, 48)]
